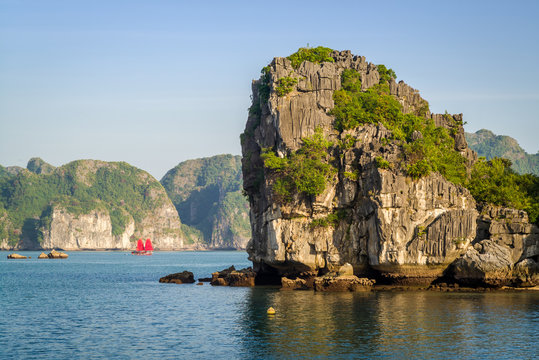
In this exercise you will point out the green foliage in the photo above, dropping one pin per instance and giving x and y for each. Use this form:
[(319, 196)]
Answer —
[(354, 176), (351, 80), (385, 73), (489, 145), (419, 169), (304, 171), (494, 182), (79, 187), (119, 221), (192, 234), (316, 55), (382, 163), (354, 108), (285, 85), (208, 196), (348, 142), (332, 220), (434, 151)]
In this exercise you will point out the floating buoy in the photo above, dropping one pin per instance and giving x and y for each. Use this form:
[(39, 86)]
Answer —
[(271, 311)]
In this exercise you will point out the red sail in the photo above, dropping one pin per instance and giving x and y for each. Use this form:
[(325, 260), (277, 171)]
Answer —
[(149, 246), (140, 245)]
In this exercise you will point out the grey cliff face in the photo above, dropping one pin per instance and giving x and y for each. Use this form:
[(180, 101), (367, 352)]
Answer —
[(401, 229)]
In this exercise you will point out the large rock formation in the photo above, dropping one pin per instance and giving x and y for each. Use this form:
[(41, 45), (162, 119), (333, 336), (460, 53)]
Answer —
[(207, 195), (86, 204), (388, 225), (505, 252)]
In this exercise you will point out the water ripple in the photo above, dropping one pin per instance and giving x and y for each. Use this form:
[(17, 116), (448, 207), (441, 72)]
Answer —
[(110, 306)]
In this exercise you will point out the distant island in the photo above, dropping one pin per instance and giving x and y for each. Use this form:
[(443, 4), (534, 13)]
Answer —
[(97, 205), (485, 143)]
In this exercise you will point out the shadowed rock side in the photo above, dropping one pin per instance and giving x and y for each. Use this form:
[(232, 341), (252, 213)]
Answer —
[(390, 226), (207, 194)]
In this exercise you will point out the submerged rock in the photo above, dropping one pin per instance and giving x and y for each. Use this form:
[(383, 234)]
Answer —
[(185, 277), (342, 283)]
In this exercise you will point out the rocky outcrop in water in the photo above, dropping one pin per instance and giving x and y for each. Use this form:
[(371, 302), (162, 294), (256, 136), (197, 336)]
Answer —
[(184, 277), (233, 277), (505, 252), (384, 223), (17, 256)]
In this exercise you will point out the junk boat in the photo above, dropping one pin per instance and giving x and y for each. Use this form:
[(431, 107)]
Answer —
[(143, 249)]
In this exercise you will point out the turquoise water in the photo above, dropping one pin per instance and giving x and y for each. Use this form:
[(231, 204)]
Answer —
[(110, 305)]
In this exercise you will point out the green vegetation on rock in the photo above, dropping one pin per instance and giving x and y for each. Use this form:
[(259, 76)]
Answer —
[(285, 85), (79, 187), (316, 55), (305, 171), (432, 150), (207, 194), (382, 163), (489, 145), (385, 73), (493, 181)]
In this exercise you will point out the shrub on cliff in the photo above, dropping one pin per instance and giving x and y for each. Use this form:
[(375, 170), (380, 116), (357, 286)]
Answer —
[(304, 171), (385, 73), (285, 85), (432, 151), (317, 55), (494, 182)]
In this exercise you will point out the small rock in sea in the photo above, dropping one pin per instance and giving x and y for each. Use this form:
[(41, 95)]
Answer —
[(185, 277), (233, 277), (42, 256), (204, 279), (200, 283), (16, 256), (57, 255)]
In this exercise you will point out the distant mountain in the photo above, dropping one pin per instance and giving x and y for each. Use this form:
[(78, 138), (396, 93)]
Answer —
[(86, 204), (490, 145), (207, 194)]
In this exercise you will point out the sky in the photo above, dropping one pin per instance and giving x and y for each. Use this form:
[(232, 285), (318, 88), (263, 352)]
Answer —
[(158, 82)]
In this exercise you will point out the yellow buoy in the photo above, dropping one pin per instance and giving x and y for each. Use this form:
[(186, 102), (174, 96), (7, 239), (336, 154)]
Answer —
[(271, 311)]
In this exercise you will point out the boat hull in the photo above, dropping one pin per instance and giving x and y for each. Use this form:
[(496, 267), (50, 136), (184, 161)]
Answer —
[(142, 253)]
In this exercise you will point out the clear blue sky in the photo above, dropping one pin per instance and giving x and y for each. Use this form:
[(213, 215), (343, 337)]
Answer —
[(158, 82)]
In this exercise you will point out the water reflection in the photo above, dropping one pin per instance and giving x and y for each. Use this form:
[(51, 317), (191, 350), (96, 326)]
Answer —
[(390, 324)]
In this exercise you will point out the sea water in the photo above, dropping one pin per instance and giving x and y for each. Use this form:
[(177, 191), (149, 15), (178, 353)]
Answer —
[(110, 305)]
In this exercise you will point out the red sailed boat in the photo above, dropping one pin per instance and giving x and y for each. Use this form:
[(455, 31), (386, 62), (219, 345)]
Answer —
[(143, 250), (148, 247)]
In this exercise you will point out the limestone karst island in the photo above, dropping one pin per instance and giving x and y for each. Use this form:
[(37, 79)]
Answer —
[(342, 164), (346, 174)]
